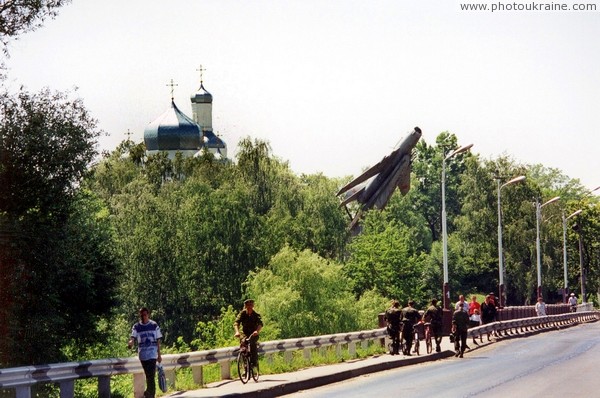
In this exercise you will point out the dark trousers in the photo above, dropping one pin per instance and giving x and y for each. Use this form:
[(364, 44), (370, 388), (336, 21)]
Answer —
[(394, 333), (460, 341), (436, 334), (150, 371), (253, 340), (408, 334)]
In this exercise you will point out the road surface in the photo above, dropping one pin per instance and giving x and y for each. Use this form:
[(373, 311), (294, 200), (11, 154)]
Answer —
[(552, 364)]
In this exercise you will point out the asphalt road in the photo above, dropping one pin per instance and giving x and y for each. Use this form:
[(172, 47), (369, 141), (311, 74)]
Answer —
[(552, 364)]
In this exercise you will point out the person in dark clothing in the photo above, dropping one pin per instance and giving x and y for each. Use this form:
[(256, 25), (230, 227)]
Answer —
[(393, 316), (460, 324), (433, 316), (251, 323), (488, 312), (410, 317)]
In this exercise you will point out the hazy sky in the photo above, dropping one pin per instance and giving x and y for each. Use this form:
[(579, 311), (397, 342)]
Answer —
[(334, 84)]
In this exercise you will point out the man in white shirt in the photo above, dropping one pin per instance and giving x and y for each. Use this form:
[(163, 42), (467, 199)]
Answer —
[(147, 334), (461, 304)]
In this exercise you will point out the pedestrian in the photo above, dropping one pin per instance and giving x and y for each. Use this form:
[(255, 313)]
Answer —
[(393, 315), (460, 324), (433, 316), (573, 302), (460, 302), (410, 317), (540, 307), (495, 300), (488, 312), (474, 321), (251, 324), (474, 305), (147, 334)]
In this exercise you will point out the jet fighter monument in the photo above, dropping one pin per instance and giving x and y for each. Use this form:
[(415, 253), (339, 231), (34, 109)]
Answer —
[(374, 187)]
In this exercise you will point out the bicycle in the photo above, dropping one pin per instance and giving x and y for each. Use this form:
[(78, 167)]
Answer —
[(419, 334), (428, 342), (245, 370)]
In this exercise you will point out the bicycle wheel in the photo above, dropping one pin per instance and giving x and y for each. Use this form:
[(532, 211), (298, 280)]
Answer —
[(416, 350), (243, 366), (255, 372), (429, 344)]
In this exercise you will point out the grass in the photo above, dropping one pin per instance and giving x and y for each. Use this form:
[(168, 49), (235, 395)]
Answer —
[(122, 385)]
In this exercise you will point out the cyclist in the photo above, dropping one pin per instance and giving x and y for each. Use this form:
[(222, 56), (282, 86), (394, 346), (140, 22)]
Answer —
[(251, 323), (410, 317), (392, 317), (433, 316)]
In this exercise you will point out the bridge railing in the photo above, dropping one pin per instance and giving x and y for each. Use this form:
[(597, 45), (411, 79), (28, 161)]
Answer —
[(22, 379)]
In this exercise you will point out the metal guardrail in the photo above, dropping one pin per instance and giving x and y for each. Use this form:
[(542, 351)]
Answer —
[(21, 379), (526, 325)]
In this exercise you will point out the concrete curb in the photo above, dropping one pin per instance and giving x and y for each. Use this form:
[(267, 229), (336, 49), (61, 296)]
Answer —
[(319, 381)]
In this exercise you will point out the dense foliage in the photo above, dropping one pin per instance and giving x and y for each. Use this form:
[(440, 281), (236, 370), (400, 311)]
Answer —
[(57, 270)]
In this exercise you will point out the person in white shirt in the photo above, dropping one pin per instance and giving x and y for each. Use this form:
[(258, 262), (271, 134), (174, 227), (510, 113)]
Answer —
[(461, 304), (573, 302), (147, 334), (540, 307)]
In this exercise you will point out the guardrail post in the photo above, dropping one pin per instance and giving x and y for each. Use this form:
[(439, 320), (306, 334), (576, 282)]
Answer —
[(225, 370), (338, 350), (103, 386), (23, 392), (197, 375), (307, 353), (288, 356), (170, 375), (352, 349), (139, 385), (67, 389), (364, 344)]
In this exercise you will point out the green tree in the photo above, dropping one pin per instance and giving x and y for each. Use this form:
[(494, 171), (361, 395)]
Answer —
[(386, 259), (302, 294), (55, 257)]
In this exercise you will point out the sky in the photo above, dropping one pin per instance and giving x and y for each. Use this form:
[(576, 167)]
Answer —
[(333, 85)]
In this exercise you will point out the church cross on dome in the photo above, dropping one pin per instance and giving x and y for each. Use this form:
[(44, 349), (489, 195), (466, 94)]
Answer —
[(173, 85), (201, 70)]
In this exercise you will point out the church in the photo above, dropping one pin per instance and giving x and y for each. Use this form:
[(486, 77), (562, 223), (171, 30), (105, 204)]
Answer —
[(174, 131)]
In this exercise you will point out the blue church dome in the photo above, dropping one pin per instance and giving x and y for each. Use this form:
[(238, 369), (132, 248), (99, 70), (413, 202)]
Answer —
[(172, 130), (201, 96), (211, 140)]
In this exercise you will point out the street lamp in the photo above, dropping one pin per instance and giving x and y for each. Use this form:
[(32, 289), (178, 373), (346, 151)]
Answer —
[(446, 301), (566, 289), (538, 215), (500, 254), (577, 228)]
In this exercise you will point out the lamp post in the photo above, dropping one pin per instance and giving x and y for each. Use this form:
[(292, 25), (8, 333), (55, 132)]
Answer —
[(566, 284), (500, 254), (446, 301), (577, 228), (538, 215)]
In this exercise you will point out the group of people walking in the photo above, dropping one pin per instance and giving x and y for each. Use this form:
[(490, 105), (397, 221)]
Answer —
[(401, 322), (468, 315)]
